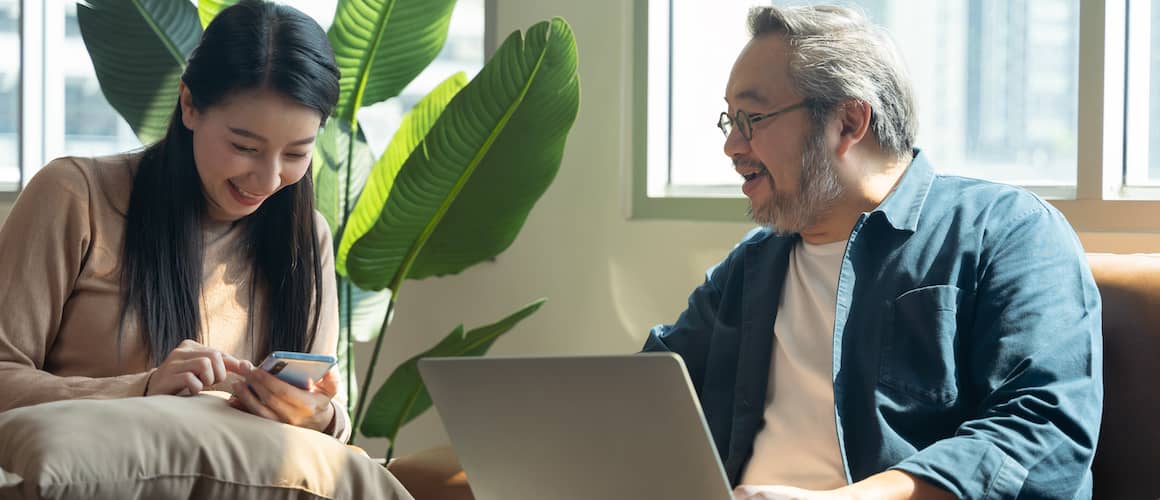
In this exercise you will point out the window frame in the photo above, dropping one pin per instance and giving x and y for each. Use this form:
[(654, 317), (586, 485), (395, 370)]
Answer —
[(1099, 202)]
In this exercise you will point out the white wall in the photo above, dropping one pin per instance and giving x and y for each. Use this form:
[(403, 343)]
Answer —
[(608, 278)]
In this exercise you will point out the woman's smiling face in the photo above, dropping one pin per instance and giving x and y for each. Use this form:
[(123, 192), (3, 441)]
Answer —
[(247, 147)]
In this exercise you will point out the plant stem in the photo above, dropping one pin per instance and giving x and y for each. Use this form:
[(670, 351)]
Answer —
[(348, 346), (366, 383), (347, 283)]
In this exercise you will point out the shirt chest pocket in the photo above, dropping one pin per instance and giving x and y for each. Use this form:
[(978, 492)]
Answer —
[(920, 350)]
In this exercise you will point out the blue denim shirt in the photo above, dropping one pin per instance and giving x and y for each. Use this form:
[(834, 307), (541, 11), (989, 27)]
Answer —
[(967, 346)]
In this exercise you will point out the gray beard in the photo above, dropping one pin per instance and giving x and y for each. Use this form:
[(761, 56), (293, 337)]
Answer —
[(818, 191)]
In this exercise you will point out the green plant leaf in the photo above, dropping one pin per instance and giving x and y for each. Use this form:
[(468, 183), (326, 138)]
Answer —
[(381, 45), (139, 49), (466, 190), (414, 126), (403, 396), (330, 172), (209, 9), (368, 310)]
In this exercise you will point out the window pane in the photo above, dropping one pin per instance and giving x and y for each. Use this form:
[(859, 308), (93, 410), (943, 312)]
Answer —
[(1142, 136), (996, 83), (91, 126), (1154, 95), (9, 94)]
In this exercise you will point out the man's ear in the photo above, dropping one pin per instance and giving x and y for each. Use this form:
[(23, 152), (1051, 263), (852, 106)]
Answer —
[(854, 118), (189, 114)]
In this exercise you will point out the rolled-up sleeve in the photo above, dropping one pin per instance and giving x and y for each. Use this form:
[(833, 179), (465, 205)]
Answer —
[(1035, 354)]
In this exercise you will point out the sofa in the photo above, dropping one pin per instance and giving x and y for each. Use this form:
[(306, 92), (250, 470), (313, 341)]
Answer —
[(1127, 463)]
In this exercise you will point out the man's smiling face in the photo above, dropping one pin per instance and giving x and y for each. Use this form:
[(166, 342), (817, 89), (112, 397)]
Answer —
[(786, 165)]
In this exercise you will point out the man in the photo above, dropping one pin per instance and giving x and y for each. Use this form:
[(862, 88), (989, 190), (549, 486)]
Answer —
[(889, 332)]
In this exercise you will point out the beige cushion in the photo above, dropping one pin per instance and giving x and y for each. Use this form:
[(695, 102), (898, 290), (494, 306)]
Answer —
[(176, 447)]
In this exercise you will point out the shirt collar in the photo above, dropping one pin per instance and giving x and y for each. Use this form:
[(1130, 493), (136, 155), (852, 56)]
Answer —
[(904, 203)]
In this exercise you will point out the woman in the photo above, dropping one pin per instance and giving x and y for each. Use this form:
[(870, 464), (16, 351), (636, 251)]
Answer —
[(171, 270)]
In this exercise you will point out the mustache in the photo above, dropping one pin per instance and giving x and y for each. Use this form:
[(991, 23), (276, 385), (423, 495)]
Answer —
[(739, 162)]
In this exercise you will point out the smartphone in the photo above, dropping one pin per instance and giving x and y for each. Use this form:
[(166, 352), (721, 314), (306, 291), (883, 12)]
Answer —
[(298, 368)]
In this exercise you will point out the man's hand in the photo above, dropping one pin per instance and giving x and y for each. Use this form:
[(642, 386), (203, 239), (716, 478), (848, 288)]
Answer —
[(189, 369), (785, 493), (269, 397)]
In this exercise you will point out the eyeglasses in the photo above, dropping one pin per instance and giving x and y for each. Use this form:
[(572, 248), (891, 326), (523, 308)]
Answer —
[(745, 121)]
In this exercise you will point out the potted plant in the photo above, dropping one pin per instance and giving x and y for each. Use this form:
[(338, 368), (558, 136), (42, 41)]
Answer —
[(452, 189)]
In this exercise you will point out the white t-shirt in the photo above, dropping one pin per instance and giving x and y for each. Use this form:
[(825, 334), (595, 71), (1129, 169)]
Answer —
[(798, 445)]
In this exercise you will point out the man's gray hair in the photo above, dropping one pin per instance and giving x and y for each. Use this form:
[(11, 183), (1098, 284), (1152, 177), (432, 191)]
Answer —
[(836, 54)]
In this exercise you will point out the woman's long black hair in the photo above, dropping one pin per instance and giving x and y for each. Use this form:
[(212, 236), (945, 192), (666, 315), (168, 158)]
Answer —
[(251, 45)]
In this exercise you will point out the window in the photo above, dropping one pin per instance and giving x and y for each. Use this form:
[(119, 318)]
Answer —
[(1154, 94), (1004, 88), (995, 82), (1143, 109), (9, 94), (64, 105), (61, 111)]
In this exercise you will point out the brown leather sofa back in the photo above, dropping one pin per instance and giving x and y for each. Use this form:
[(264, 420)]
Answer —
[(1127, 464), (432, 474)]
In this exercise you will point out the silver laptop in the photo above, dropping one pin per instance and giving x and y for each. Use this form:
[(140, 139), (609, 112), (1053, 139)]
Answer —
[(583, 428)]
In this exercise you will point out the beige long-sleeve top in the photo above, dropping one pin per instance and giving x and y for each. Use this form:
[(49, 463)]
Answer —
[(61, 296)]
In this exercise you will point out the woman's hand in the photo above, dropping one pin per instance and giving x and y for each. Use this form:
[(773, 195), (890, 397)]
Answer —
[(269, 397), (189, 369)]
